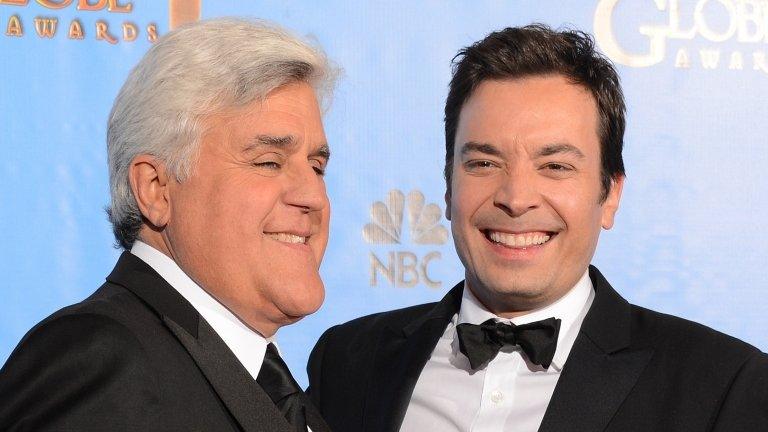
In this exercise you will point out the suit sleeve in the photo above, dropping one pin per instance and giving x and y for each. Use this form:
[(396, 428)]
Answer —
[(82, 372), (315, 367), (745, 407)]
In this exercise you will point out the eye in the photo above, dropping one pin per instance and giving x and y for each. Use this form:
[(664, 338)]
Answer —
[(480, 165), (557, 167), (558, 170), (270, 165), (319, 166)]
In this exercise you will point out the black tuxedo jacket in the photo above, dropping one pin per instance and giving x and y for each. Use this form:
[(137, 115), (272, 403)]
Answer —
[(134, 356), (630, 369)]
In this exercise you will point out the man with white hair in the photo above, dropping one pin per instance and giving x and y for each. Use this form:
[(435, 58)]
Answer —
[(216, 158)]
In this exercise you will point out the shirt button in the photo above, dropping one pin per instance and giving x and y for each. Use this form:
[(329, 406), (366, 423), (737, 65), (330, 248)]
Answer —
[(497, 396)]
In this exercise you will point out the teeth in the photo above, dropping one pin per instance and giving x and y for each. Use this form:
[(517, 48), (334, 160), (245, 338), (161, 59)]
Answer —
[(287, 238), (518, 240)]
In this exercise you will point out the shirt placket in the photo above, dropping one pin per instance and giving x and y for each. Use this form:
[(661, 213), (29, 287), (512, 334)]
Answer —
[(498, 396)]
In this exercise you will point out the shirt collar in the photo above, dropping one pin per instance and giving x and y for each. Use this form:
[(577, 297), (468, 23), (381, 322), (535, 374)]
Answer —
[(246, 344), (570, 309)]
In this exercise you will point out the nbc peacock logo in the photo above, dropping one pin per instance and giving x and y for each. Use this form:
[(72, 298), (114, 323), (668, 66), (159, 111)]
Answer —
[(404, 268)]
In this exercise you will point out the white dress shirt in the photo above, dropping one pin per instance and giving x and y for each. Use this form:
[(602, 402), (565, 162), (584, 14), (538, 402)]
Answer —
[(248, 346), (509, 393)]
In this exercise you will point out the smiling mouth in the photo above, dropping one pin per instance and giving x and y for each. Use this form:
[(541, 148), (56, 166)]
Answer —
[(520, 240), (288, 238)]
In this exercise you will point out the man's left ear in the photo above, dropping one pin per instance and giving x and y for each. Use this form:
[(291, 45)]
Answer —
[(611, 203)]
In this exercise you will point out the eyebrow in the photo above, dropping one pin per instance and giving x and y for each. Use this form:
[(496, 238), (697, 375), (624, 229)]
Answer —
[(282, 142), (323, 151), (485, 148), (285, 142), (560, 148)]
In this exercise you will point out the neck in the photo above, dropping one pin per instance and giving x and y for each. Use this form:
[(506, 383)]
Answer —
[(508, 306)]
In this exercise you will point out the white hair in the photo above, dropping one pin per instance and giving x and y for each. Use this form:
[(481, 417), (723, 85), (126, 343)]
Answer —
[(193, 72)]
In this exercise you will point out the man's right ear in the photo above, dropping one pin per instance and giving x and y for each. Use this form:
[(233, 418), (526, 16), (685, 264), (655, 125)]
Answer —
[(149, 183), (448, 204)]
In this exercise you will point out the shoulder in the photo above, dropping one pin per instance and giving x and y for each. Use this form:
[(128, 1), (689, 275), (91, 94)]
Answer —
[(77, 362), (105, 319), (713, 370), (356, 340), (678, 336), (360, 331)]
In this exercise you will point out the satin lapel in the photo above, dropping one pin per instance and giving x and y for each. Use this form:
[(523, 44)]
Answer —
[(401, 356), (247, 402), (237, 389), (601, 369)]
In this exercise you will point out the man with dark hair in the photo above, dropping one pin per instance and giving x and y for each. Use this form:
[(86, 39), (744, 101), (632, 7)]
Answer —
[(534, 338)]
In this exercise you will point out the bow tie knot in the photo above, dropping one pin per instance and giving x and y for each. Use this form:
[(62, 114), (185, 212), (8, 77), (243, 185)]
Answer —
[(481, 343)]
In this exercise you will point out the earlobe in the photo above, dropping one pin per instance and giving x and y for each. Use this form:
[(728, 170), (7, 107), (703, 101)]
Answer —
[(149, 184), (611, 204), (448, 205)]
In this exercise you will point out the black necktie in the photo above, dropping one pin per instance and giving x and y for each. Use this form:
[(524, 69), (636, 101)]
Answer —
[(481, 343), (277, 381)]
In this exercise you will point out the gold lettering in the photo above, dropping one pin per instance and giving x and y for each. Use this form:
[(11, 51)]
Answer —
[(703, 26), (709, 58), (130, 31), (52, 4), (152, 33), (182, 12), (102, 32), (76, 30), (603, 25), (46, 27), (750, 17), (14, 2), (86, 5), (115, 6), (737, 61), (425, 269), (14, 27), (675, 31), (377, 265), (759, 59), (682, 60)]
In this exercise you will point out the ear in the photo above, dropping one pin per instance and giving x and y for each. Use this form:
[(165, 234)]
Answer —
[(611, 203), (448, 204), (149, 183)]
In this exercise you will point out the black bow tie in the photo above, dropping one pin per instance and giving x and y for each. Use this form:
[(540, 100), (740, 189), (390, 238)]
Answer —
[(481, 343)]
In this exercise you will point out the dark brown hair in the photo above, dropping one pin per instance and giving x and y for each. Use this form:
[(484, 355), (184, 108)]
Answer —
[(536, 49)]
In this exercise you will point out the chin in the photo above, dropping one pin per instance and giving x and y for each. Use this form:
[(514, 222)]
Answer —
[(307, 302)]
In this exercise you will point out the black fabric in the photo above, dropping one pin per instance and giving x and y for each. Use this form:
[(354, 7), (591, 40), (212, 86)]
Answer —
[(480, 343), (630, 370), (277, 381), (134, 356)]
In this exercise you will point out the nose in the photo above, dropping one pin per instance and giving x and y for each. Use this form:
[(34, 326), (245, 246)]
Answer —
[(517, 193), (306, 190)]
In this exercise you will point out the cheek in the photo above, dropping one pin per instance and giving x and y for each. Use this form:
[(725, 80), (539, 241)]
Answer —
[(466, 199), (324, 222)]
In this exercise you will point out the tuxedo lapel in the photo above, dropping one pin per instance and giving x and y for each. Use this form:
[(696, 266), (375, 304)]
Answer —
[(401, 355), (245, 400), (248, 403), (601, 368)]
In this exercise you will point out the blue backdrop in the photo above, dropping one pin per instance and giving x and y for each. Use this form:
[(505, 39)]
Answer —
[(688, 237)]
